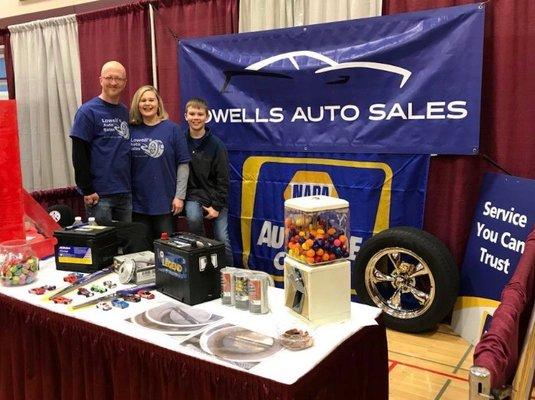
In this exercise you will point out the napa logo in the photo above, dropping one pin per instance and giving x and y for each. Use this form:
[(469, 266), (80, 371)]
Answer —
[(310, 183)]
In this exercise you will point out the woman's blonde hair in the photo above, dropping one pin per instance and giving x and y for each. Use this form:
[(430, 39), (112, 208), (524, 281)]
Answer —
[(135, 115)]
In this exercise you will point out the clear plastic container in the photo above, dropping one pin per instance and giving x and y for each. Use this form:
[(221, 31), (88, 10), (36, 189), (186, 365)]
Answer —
[(296, 339), (18, 263), (316, 229), (294, 334)]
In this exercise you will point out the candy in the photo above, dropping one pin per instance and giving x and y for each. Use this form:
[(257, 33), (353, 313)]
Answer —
[(316, 243), (19, 272)]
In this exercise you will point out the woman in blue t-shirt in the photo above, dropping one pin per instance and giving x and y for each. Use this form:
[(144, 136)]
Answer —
[(160, 160)]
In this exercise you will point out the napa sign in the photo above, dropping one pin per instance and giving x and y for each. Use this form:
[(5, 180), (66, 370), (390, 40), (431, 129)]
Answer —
[(406, 83), (382, 190)]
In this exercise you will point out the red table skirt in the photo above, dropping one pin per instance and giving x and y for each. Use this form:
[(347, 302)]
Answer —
[(45, 355)]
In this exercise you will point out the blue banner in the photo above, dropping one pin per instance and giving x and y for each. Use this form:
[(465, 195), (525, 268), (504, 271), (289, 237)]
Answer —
[(382, 190), (504, 217), (406, 83)]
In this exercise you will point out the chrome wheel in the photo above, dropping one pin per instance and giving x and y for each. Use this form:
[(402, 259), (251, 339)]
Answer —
[(400, 282)]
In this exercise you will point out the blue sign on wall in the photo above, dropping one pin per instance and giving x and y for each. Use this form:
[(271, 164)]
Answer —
[(406, 83), (382, 191), (504, 216)]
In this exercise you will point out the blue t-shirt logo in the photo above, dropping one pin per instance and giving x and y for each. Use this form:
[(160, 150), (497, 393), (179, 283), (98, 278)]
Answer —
[(154, 149), (123, 130)]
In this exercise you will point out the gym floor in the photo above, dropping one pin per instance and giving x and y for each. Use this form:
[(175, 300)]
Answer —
[(429, 366)]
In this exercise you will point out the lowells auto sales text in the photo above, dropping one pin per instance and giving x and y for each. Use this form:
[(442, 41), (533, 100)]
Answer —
[(433, 110)]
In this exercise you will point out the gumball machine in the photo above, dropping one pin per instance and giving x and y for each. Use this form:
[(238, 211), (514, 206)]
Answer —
[(316, 270), (316, 229), (18, 263)]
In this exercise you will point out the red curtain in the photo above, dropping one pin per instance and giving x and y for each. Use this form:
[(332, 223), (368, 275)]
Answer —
[(5, 40), (178, 19), (121, 34), (500, 347), (11, 217), (507, 118), (49, 356)]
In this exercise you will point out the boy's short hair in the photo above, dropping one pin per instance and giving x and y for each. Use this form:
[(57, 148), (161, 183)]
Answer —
[(198, 103)]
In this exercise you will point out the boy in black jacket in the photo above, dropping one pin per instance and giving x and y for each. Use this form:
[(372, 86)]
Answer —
[(208, 182)]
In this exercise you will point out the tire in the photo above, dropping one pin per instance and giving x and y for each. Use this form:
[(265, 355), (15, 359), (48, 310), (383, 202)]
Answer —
[(410, 275), (62, 214)]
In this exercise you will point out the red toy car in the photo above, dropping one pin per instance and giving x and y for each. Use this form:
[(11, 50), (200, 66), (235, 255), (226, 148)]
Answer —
[(132, 298), (61, 300), (84, 292), (38, 290), (146, 294), (73, 277)]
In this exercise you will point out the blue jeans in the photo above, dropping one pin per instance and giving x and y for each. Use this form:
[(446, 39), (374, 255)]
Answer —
[(156, 224), (195, 218), (115, 207)]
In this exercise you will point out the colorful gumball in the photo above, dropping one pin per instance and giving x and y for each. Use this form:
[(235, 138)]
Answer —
[(314, 233)]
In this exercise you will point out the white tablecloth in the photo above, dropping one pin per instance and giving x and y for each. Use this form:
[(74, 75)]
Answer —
[(285, 366)]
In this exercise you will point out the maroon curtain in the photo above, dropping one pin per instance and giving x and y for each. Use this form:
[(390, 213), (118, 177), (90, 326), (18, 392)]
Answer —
[(507, 118), (67, 196), (500, 347), (178, 19), (49, 356), (5, 40), (121, 34)]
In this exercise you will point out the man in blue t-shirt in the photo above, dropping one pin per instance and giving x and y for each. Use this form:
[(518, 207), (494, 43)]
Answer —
[(101, 150)]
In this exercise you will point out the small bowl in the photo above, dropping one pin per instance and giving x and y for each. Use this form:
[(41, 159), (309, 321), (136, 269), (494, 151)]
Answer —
[(296, 339)]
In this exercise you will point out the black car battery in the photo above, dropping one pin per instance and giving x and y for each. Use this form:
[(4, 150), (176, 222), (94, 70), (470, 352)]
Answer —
[(85, 248), (188, 267)]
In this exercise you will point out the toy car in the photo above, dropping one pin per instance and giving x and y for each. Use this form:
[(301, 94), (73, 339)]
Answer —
[(61, 300), (133, 298), (38, 290), (109, 284), (104, 306), (73, 277), (146, 294), (98, 289), (119, 303), (84, 292)]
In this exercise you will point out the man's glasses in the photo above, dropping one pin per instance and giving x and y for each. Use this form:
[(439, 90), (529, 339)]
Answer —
[(113, 79)]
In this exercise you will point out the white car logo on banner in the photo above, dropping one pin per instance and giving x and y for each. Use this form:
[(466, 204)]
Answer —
[(257, 67)]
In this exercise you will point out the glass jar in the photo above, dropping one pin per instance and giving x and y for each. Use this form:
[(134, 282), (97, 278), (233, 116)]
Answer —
[(18, 263), (316, 229)]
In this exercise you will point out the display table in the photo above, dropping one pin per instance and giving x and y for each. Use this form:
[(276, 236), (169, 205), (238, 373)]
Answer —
[(49, 352)]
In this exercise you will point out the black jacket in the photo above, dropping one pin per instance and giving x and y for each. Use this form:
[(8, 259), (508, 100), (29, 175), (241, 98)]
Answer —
[(208, 181)]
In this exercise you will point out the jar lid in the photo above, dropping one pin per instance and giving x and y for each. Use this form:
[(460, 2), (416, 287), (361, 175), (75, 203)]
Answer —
[(15, 243), (316, 203)]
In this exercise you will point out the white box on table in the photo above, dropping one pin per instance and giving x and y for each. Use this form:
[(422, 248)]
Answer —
[(328, 290)]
